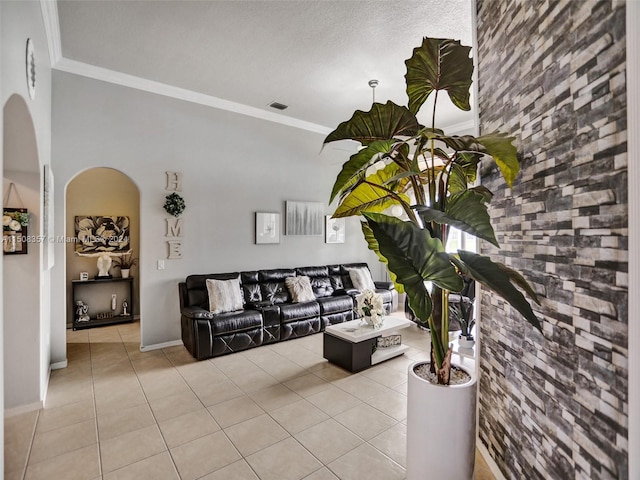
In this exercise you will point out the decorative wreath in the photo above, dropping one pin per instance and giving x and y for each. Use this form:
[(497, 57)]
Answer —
[(174, 204)]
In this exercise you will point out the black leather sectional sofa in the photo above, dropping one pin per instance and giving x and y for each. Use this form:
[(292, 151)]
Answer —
[(269, 315)]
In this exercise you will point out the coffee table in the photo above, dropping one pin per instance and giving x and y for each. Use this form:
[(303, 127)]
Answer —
[(350, 345)]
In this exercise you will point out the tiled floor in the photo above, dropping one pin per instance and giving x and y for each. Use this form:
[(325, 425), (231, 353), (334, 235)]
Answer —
[(275, 412)]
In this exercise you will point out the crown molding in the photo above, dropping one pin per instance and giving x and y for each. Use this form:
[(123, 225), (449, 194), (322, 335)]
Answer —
[(131, 81), (52, 30), (464, 128)]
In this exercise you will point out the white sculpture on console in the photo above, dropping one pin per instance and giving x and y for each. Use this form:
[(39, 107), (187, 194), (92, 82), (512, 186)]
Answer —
[(104, 261)]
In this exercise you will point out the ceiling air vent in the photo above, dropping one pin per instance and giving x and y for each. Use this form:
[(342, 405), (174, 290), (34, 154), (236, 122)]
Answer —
[(278, 106)]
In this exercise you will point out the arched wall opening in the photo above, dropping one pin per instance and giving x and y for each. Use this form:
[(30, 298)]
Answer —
[(25, 365), (100, 191)]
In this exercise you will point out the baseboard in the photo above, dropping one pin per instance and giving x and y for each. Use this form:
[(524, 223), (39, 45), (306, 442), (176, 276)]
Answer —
[(158, 346), (59, 365), (493, 466), (30, 407)]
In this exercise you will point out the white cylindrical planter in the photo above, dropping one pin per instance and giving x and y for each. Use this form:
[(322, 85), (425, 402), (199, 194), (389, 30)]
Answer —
[(441, 429), (124, 272)]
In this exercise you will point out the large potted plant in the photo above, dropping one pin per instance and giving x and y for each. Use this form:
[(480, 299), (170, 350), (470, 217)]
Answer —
[(432, 177)]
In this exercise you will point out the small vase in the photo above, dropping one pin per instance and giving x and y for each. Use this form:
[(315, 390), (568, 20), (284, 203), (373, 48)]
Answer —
[(9, 242), (369, 321), (466, 341), (124, 272)]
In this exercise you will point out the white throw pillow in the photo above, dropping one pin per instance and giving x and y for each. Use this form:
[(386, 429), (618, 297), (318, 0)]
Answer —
[(224, 295), (300, 289), (361, 279)]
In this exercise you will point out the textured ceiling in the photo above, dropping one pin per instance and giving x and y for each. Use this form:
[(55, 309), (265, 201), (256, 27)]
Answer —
[(315, 56)]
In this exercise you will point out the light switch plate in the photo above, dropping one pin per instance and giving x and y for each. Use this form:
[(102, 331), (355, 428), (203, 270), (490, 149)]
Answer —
[(160, 264)]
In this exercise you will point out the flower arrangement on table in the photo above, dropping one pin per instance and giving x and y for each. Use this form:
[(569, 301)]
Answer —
[(14, 221), (370, 307)]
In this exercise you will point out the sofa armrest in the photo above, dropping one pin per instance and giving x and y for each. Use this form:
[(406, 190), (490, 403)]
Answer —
[(196, 313), (385, 285)]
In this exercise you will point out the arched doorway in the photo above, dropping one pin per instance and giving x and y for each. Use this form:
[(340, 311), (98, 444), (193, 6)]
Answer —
[(25, 329), (100, 192)]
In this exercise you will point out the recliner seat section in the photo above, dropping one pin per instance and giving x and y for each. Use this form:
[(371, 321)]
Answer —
[(269, 314)]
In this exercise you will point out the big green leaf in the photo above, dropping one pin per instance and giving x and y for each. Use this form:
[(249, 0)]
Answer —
[(439, 64), (415, 257), (371, 194), (499, 278), (358, 162), (465, 211), (373, 245), (501, 148), (382, 122), (497, 145)]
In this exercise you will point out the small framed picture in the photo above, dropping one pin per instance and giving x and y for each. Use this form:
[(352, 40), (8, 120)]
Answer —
[(84, 276), (334, 231), (267, 227)]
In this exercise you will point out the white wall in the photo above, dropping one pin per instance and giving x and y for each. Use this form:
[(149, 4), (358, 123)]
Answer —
[(21, 307), (232, 166), (22, 20)]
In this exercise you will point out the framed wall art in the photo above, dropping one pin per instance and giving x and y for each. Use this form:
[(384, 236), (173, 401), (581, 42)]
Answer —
[(304, 218), (335, 230), (267, 227), (96, 234)]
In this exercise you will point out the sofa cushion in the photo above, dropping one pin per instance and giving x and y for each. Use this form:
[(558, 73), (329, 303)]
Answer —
[(197, 288), (361, 279), (299, 311), (224, 295), (236, 321), (300, 289), (329, 305), (275, 292), (387, 296)]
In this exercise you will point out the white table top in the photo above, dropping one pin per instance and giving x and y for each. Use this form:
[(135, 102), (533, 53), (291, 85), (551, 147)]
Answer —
[(357, 331)]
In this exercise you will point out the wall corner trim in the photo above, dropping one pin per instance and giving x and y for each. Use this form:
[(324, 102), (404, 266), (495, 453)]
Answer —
[(52, 30), (19, 410), (59, 365)]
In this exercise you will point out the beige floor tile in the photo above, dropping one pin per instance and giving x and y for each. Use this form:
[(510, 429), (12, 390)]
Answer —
[(162, 383), (307, 385), (81, 464), (185, 428), (214, 392), (272, 398), (158, 467), (323, 474), (52, 418), (235, 411), (399, 364), (255, 380), (331, 373), (298, 416), (333, 401), (255, 434), (285, 460), (130, 447), (204, 455), (62, 440), (18, 435), (234, 365), (393, 443), (284, 370), (402, 388), (386, 376), (14, 475), (239, 470), (360, 386), (316, 440), (120, 399), (113, 424), (366, 462), (365, 421), (66, 390), (390, 402), (172, 406)]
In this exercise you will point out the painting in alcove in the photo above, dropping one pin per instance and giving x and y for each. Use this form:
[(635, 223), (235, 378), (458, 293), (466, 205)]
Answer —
[(102, 234)]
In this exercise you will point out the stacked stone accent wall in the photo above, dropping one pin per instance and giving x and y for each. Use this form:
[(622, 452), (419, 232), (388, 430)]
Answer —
[(552, 73)]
